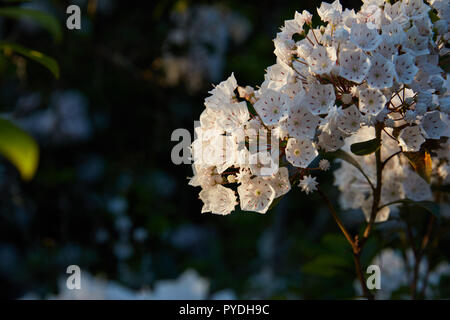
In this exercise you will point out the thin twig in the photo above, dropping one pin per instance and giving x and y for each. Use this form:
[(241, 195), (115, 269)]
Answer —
[(389, 158), (338, 220), (356, 250), (377, 191)]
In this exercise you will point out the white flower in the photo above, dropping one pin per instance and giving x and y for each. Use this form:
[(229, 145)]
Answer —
[(371, 101), (381, 73), (436, 82), (414, 9), (330, 141), (308, 184), (365, 38), (224, 152), (405, 68), (441, 26), (394, 32), (341, 35), (387, 47), (319, 98), (330, 12), (354, 65), (420, 108), (416, 188), (394, 11), (305, 17), (433, 125), (290, 28), (222, 94), (410, 116), (442, 8), (263, 164), (233, 116), (244, 175), (411, 139), (271, 106), (283, 48), (416, 44), (424, 97), (204, 176), (293, 90), (301, 123), (351, 119), (300, 152), (280, 182), (322, 59), (324, 164), (277, 75), (256, 195), (218, 199)]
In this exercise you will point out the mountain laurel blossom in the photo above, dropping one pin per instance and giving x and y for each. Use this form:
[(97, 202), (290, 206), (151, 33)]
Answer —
[(370, 77)]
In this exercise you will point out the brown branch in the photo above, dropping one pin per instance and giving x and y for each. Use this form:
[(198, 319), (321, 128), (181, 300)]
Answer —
[(389, 158), (377, 191), (419, 256), (356, 250), (338, 221)]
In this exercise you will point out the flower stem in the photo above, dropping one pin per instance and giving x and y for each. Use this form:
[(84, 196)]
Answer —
[(377, 191), (356, 250), (337, 219)]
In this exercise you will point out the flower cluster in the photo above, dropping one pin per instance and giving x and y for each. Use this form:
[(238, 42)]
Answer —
[(375, 70)]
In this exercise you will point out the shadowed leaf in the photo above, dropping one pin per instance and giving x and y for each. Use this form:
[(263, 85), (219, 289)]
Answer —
[(44, 19), (34, 55), (19, 148), (366, 147)]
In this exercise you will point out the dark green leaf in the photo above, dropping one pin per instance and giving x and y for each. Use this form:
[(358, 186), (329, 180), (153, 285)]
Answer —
[(433, 16), (45, 20), (37, 56), (275, 202), (19, 148), (326, 265), (430, 206), (366, 147)]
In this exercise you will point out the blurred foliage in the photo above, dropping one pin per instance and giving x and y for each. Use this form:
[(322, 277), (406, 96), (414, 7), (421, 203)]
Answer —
[(18, 147)]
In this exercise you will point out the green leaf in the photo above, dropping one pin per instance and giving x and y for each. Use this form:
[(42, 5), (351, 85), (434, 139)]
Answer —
[(341, 154), (19, 148), (275, 202), (34, 55), (421, 162), (45, 20), (328, 265), (444, 62), (430, 206), (366, 147), (433, 16)]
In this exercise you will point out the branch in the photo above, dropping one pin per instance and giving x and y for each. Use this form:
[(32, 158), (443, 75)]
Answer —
[(389, 158), (338, 220), (377, 191), (356, 250)]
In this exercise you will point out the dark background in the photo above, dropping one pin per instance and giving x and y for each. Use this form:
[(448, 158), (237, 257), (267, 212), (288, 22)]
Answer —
[(106, 195)]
